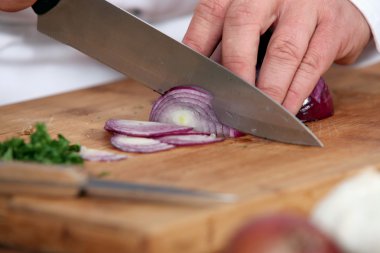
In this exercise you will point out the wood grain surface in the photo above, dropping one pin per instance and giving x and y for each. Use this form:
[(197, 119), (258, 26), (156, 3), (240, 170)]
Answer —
[(266, 175)]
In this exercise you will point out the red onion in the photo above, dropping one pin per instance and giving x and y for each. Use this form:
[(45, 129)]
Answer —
[(190, 140), (283, 233), (138, 144), (318, 105), (190, 106), (147, 137), (100, 155), (143, 128)]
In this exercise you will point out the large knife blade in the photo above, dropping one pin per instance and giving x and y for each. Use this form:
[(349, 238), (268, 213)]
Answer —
[(133, 47)]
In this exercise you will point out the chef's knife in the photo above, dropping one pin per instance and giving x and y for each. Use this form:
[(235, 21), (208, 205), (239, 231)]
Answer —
[(60, 181), (133, 47)]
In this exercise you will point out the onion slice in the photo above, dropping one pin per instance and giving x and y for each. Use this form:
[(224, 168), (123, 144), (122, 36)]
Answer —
[(190, 140), (138, 144), (190, 106), (100, 155), (144, 128), (318, 105)]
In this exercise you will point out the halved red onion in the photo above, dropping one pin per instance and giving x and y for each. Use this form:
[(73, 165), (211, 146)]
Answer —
[(100, 155), (318, 105), (190, 140), (143, 128), (190, 106), (138, 144)]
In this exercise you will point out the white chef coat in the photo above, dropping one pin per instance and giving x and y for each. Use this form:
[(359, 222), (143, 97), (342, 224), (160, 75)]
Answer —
[(371, 11), (33, 65)]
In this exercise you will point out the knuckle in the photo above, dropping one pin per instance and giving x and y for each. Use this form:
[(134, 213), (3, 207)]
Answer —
[(348, 53), (285, 51), (240, 13), (211, 10), (312, 62), (348, 59), (236, 63), (275, 92), (330, 11), (194, 44), (241, 66), (329, 14), (295, 94)]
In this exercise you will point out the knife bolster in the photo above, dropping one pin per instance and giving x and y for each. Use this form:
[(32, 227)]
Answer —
[(42, 6)]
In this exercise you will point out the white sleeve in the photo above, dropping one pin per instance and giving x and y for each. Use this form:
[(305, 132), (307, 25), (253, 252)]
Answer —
[(156, 10), (371, 11)]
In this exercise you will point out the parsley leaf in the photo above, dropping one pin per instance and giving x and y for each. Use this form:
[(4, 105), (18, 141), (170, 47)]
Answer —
[(41, 148)]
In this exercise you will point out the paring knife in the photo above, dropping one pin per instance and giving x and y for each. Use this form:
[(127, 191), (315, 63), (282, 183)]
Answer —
[(57, 181), (133, 47)]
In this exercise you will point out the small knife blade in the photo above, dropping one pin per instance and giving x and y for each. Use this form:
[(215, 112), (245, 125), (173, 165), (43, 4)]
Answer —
[(133, 47), (18, 178)]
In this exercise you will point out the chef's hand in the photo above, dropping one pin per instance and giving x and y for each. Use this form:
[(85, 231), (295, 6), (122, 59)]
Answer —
[(15, 5), (308, 36)]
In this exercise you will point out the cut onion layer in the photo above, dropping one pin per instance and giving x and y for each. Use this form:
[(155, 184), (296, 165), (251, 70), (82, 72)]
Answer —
[(190, 106), (138, 144), (144, 128), (318, 105), (190, 140), (100, 155), (183, 116)]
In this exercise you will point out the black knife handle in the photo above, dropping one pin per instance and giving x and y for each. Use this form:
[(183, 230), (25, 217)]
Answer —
[(42, 6)]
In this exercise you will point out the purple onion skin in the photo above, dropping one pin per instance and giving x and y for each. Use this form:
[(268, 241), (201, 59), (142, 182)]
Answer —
[(319, 105), (204, 97)]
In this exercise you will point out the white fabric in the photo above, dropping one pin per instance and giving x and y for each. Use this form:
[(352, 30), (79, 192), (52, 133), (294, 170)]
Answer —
[(371, 11), (33, 65), (350, 213)]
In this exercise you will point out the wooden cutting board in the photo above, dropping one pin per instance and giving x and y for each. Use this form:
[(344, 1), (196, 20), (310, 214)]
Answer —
[(268, 176)]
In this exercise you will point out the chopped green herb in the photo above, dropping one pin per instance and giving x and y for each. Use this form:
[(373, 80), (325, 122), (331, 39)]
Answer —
[(41, 148)]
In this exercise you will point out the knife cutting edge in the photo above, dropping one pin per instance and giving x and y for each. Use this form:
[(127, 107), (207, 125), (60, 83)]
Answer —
[(133, 47), (17, 178)]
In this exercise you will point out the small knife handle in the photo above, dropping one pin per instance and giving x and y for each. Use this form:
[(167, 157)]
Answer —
[(42, 6), (38, 179)]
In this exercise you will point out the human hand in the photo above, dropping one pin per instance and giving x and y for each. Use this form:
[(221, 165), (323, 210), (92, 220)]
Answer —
[(15, 5), (308, 36)]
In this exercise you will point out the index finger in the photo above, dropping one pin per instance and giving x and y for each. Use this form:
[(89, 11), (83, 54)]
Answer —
[(205, 29), (244, 23)]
